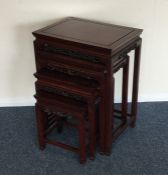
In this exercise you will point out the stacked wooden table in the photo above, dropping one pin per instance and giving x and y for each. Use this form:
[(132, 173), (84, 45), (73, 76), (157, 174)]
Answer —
[(94, 51)]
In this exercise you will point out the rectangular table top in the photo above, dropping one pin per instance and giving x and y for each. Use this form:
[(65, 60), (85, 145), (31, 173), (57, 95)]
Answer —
[(92, 33)]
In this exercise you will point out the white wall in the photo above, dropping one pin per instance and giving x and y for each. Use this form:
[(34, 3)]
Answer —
[(18, 18)]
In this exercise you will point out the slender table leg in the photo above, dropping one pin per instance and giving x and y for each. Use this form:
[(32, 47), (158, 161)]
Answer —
[(102, 117), (125, 90), (82, 147), (109, 115), (135, 83), (40, 127), (92, 133)]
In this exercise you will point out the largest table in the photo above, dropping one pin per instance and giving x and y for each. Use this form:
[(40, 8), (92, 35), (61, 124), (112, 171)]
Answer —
[(96, 41)]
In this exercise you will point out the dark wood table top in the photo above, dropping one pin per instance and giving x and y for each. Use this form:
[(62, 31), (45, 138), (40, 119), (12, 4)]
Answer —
[(92, 33)]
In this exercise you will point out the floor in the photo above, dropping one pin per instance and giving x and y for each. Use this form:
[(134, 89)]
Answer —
[(139, 151)]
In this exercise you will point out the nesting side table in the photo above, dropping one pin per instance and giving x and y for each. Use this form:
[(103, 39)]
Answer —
[(92, 44)]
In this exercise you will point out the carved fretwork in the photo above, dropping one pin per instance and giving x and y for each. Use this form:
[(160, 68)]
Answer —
[(63, 93), (69, 71), (74, 54)]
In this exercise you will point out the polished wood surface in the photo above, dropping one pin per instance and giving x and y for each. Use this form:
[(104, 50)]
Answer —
[(57, 104), (94, 50), (89, 32)]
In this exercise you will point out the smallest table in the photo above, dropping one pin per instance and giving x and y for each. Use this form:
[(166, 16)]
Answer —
[(94, 43)]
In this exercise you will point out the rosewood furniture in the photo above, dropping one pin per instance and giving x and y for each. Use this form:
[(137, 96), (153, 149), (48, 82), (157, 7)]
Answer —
[(92, 49), (57, 82), (61, 106)]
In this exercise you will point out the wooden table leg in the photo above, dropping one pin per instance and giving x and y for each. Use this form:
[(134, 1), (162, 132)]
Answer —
[(109, 115), (135, 83), (92, 127), (125, 90), (40, 127), (102, 117), (82, 147)]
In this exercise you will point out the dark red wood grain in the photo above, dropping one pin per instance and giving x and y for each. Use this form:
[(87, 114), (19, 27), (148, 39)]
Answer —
[(93, 50)]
